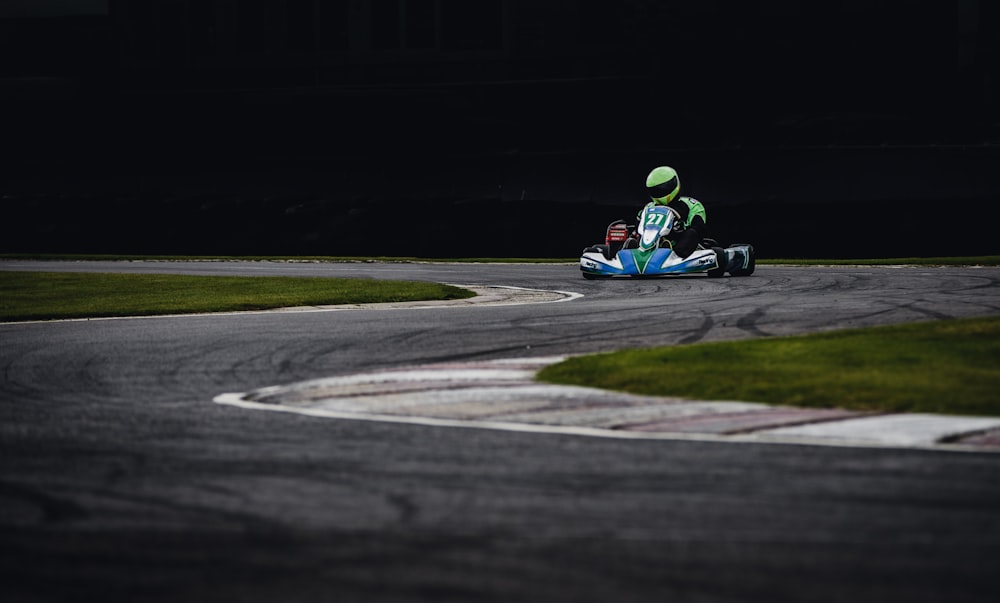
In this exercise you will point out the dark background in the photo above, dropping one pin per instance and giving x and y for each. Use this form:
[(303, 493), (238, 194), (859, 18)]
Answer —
[(822, 129)]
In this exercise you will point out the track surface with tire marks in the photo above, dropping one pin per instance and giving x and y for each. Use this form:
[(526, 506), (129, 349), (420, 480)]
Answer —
[(119, 478)]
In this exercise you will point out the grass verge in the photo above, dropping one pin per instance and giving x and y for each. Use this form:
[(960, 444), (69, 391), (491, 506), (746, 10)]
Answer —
[(946, 367), (980, 260), (54, 295)]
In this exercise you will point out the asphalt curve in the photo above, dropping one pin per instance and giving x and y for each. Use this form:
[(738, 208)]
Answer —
[(121, 479)]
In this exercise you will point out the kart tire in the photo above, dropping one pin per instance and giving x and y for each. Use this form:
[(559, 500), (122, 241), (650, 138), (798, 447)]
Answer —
[(601, 249), (751, 265), (720, 256), (604, 250)]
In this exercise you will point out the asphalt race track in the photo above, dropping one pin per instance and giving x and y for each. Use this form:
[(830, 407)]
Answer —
[(120, 479)]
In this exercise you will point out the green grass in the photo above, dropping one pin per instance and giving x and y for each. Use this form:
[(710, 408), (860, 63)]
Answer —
[(982, 260), (54, 295), (948, 367)]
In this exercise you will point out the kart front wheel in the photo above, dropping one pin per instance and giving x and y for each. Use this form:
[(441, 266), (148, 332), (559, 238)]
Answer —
[(720, 257), (604, 250)]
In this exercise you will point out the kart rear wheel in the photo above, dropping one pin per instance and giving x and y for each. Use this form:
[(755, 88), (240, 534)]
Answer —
[(751, 263)]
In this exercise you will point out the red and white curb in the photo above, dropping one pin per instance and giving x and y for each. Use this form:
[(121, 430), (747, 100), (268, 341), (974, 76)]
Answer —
[(503, 394)]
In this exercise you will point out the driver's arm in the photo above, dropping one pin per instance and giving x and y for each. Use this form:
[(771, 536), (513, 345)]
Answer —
[(689, 238)]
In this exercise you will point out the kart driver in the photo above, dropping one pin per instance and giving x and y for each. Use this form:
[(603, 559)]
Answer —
[(664, 187)]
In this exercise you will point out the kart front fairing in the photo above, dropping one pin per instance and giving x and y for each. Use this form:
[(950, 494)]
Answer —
[(661, 261)]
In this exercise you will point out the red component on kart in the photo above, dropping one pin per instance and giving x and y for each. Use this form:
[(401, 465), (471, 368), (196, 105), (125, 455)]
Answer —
[(617, 233)]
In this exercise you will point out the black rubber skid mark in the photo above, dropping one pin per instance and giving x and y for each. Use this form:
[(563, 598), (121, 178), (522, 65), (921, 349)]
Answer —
[(702, 330), (748, 323), (53, 509)]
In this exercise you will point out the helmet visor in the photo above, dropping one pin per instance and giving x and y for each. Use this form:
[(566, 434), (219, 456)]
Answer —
[(661, 191)]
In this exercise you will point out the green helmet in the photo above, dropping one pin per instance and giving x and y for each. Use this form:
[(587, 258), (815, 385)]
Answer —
[(663, 184)]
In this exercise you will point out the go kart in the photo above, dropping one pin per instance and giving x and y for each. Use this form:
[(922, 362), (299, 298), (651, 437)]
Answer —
[(645, 251)]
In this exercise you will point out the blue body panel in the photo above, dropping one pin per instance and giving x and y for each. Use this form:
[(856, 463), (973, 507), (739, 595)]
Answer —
[(659, 262)]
